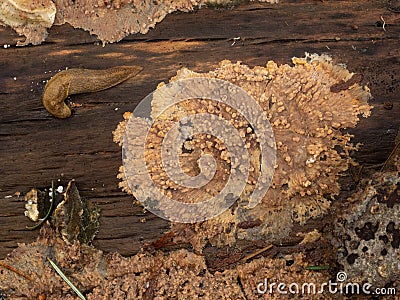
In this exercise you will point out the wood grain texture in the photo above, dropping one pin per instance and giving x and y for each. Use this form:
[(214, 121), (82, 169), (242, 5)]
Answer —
[(36, 148)]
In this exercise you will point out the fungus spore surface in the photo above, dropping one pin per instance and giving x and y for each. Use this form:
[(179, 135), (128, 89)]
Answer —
[(307, 117)]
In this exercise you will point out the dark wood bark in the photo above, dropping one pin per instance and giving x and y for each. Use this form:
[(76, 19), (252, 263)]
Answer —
[(36, 148)]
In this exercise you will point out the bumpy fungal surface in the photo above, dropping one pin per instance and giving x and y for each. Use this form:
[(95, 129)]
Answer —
[(110, 20), (29, 18), (307, 118), (369, 233), (113, 20), (180, 274)]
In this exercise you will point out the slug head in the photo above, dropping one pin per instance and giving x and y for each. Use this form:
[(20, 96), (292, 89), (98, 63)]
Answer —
[(53, 99)]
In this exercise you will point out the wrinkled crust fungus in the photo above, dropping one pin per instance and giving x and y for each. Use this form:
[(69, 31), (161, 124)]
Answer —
[(29, 18), (110, 20), (307, 118), (180, 274)]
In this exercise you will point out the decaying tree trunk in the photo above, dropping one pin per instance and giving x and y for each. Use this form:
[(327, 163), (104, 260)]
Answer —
[(36, 148)]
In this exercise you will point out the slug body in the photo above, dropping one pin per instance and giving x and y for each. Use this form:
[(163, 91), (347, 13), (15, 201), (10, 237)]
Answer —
[(77, 81)]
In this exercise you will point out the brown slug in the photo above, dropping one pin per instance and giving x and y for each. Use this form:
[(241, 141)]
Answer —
[(77, 81)]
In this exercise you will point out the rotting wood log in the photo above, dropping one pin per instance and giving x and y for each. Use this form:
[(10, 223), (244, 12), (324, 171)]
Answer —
[(36, 148)]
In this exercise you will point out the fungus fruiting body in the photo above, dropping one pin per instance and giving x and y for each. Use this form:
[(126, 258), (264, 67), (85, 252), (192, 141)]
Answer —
[(306, 115), (30, 18), (175, 275), (110, 21)]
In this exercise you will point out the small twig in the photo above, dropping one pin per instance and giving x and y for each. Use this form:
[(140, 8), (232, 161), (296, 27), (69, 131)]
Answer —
[(393, 10), (374, 166), (391, 156), (235, 39), (256, 253), (53, 197), (8, 267), (317, 268), (383, 24), (62, 275)]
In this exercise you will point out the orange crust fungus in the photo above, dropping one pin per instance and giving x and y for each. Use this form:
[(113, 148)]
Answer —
[(307, 119), (180, 274), (28, 18), (109, 20)]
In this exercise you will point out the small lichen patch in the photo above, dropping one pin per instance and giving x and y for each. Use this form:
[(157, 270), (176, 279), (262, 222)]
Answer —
[(369, 232)]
